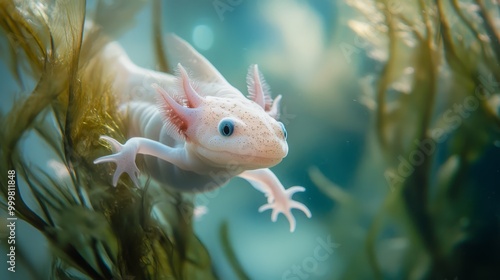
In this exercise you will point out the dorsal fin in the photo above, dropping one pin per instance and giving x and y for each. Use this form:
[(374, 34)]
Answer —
[(201, 69)]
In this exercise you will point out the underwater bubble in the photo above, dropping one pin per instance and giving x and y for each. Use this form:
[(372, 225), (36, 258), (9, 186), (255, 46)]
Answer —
[(203, 37)]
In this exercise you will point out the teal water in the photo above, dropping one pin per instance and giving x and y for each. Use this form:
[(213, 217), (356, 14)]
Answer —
[(442, 222)]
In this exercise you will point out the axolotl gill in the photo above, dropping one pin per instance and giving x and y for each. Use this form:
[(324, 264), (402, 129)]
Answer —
[(198, 130)]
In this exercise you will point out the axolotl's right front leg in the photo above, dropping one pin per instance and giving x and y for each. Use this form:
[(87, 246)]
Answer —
[(124, 156)]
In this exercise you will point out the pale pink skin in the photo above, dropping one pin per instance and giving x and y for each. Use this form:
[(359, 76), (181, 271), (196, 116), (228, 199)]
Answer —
[(176, 120)]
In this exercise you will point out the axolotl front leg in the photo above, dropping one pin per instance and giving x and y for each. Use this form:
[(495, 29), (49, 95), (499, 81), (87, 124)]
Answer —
[(124, 156), (279, 199)]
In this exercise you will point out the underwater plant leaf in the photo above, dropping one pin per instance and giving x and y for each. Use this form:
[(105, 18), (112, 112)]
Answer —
[(489, 56), (490, 27), (455, 48), (95, 231), (329, 188), (229, 252), (158, 41)]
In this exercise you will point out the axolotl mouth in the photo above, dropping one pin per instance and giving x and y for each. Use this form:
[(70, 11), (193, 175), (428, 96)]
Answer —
[(250, 160), (226, 159)]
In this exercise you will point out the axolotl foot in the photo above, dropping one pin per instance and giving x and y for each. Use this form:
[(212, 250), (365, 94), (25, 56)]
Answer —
[(279, 199), (284, 204), (124, 157)]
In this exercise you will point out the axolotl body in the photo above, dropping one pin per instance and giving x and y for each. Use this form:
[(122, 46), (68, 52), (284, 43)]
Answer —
[(198, 129)]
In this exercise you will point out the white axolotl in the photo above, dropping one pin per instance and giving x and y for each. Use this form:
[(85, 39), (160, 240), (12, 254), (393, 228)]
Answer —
[(198, 129)]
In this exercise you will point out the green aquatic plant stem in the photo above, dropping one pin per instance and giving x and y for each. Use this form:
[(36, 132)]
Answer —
[(159, 45), (68, 252), (73, 85), (229, 252), (449, 68), (382, 87), (409, 24), (330, 189), (116, 235), (452, 57), (21, 34), (456, 61), (416, 187), (385, 80), (488, 59), (50, 85), (489, 26)]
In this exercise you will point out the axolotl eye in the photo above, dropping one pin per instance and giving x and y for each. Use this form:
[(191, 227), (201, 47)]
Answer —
[(283, 129), (226, 127)]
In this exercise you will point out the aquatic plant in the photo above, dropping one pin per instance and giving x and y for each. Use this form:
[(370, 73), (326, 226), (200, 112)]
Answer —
[(50, 138), (436, 118)]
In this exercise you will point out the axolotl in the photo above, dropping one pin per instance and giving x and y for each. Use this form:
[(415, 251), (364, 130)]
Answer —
[(198, 130)]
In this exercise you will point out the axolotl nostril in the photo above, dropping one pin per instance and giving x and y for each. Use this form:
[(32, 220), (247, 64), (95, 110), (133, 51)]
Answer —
[(198, 130)]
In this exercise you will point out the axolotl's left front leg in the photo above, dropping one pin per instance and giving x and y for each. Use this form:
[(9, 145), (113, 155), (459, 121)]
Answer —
[(124, 156), (279, 199)]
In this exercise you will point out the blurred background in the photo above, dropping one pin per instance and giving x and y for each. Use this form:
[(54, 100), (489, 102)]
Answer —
[(393, 118)]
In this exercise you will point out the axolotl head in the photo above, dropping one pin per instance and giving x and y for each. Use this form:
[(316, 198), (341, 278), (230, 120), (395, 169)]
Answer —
[(221, 127)]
